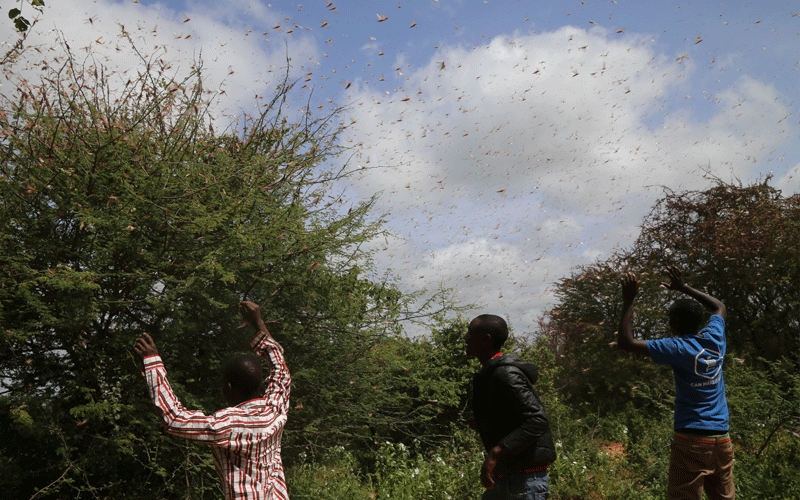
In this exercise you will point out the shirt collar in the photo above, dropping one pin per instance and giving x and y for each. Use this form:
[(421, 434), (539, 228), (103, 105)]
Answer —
[(487, 362)]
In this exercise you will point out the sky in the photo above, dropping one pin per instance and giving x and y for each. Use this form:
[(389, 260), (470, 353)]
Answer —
[(509, 141)]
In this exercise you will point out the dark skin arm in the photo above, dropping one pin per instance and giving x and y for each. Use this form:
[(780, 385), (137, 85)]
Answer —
[(489, 463), (251, 315), (676, 283), (625, 340), (630, 288)]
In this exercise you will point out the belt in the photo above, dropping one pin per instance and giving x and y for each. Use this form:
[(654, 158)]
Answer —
[(527, 470), (722, 438)]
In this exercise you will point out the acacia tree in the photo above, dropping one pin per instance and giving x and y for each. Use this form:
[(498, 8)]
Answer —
[(121, 211), (742, 244)]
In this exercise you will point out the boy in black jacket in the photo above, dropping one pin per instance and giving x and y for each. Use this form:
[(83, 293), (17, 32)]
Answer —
[(509, 416)]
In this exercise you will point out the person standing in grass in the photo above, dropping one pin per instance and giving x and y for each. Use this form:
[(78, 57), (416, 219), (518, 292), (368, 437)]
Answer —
[(702, 454), (509, 416), (245, 438)]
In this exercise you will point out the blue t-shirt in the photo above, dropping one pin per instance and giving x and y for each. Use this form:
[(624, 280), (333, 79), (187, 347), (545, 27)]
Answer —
[(696, 362)]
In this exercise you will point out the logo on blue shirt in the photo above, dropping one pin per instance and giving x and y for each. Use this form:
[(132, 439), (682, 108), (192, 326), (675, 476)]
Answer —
[(707, 363)]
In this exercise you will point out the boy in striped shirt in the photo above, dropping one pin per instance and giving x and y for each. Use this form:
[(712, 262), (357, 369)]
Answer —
[(245, 438)]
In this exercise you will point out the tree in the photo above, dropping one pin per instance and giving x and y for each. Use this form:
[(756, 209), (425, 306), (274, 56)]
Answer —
[(121, 211), (742, 243), (581, 329)]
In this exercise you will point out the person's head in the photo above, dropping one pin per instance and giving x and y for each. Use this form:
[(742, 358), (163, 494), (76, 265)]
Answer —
[(485, 336), (241, 379), (685, 317)]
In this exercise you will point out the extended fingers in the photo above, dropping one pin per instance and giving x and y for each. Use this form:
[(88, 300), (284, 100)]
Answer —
[(145, 345), (629, 279), (674, 272), (630, 286)]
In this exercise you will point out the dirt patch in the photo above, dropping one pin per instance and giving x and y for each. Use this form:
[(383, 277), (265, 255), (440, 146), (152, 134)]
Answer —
[(614, 449)]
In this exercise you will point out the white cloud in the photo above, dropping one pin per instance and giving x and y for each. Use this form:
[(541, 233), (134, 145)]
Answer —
[(547, 146), (790, 182), (494, 277), (505, 165), (236, 58)]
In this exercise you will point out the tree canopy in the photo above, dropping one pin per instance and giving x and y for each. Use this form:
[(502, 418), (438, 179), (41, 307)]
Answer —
[(122, 211)]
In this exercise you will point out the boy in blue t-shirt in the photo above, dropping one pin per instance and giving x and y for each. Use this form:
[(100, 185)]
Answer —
[(702, 453)]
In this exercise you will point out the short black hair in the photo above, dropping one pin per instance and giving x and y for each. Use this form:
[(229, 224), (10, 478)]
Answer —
[(686, 316), (494, 326), (244, 374)]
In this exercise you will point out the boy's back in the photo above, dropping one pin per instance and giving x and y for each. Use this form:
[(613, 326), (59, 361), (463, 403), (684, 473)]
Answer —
[(701, 456), (696, 362)]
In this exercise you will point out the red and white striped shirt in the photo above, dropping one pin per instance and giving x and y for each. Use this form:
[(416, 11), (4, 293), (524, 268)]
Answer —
[(245, 439)]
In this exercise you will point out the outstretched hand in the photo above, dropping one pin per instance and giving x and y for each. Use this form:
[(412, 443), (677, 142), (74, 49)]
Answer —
[(251, 313), (145, 346), (630, 287), (676, 279)]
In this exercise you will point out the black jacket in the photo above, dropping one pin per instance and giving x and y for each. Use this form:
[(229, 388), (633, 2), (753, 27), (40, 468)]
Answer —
[(508, 412)]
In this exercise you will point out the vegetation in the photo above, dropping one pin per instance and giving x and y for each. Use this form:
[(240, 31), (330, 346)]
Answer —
[(122, 211), (21, 23)]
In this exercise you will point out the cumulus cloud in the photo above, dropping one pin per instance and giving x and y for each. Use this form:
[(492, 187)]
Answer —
[(547, 144), (240, 65), (502, 166)]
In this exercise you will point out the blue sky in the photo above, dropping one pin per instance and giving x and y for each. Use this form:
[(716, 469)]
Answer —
[(511, 141)]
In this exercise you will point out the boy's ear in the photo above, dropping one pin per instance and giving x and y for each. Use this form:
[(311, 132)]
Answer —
[(227, 391)]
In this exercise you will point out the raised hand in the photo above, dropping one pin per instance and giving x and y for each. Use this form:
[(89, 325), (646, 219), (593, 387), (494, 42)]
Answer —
[(145, 346), (676, 279), (630, 287)]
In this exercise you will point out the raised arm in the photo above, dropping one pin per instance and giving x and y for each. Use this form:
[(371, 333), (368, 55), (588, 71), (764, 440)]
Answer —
[(277, 383), (676, 283), (177, 420), (625, 340)]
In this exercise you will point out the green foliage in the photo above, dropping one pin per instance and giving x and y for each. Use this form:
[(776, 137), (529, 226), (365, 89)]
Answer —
[(400, 473), (332, 477), (581, 333), (449, 473), (121, 211), (742, 244), (764, 405), (20, 22)]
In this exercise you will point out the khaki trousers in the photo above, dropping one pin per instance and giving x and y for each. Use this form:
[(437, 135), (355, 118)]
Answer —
[(700, 463)]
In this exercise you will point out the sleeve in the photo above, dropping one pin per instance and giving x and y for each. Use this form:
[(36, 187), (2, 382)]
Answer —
[(534, 418), (177, 420), (668, 351), (277, 384), (716, 328)]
